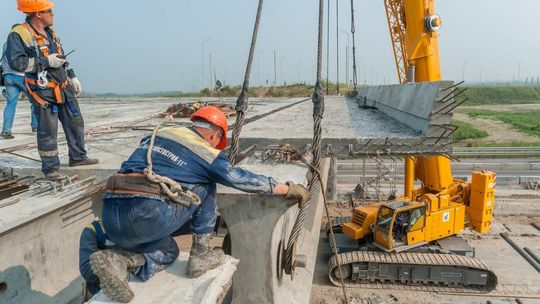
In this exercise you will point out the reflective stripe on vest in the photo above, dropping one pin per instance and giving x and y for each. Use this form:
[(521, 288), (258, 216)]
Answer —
[(29, 82)]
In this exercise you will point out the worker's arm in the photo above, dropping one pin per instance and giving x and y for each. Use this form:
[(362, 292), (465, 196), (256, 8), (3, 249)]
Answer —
[(241, 179), (222, 172), (20, 58)]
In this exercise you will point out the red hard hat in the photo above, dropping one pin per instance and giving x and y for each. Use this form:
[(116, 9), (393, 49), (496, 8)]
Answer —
[(217, 118), (34, 6)]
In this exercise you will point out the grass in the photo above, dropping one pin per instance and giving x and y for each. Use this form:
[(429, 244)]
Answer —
[(502, 95), (467, 131), (290, 90), (525, 121)]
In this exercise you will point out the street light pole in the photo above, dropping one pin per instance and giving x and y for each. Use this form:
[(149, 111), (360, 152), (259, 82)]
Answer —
[(202, 60), (347, 55), (210, 60), (281, 69), (519, 71), (337, 47), (259, 67), (275, 74)]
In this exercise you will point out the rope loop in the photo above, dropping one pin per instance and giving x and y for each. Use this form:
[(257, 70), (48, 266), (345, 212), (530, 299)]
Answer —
[(171, 188)]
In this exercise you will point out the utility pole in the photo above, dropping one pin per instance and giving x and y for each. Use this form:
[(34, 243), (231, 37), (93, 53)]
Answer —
[(259, 82), (346, 55), (519, 71), (463, 70), (202, 60), (328, 47), (275, 74), (210, 56), (337, 47)]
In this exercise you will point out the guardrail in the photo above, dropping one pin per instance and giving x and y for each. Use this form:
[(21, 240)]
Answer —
[(533, 151)]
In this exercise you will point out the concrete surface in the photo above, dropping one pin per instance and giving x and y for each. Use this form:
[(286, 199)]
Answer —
[(171, 286)]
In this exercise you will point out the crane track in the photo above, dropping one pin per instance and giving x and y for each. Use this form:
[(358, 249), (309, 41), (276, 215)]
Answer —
[(412, 259)]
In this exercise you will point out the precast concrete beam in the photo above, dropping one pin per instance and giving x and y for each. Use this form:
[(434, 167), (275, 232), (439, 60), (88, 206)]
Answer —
[(173, 287), (257, 224)]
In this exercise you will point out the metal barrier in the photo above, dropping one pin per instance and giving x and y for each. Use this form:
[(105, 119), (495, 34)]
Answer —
[(533, 151)]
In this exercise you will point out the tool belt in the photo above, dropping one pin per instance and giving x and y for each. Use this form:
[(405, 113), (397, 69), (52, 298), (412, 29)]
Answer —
[(133, 183), (138, 183)]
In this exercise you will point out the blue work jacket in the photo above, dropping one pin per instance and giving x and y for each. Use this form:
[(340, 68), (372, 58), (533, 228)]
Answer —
[(182, 154)]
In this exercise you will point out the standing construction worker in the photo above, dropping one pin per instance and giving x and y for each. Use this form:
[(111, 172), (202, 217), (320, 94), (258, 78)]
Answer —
[(169, 180), (34, 49), (14, 84)]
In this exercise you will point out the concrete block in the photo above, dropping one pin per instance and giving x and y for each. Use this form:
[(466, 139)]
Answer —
[(257, 224), (172, 286), (534, 166)]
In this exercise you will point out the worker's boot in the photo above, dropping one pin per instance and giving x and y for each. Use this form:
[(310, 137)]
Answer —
[(112, 267), (84, 162), (201, 257)]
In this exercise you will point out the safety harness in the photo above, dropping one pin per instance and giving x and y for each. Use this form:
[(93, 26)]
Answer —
[(149, 182), (41, 82)]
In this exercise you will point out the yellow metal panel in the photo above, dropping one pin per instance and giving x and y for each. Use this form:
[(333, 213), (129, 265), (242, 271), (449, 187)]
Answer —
[(481, 215), (383, 238), (459, 222), (482, 200), (483, 181), (353, 230), (417, 236), (482, 227)]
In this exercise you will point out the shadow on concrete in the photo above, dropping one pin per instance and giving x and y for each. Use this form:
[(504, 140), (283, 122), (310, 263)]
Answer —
[(16, 287)]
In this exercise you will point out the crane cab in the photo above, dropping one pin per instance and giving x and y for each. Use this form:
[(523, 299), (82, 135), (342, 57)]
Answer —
[(400, 225)]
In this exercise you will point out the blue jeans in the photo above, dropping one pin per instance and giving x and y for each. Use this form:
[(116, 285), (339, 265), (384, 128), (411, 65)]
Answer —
[(14, 86), (146, 225)]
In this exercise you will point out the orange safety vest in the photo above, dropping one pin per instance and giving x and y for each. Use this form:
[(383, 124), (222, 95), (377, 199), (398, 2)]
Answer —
[(52, 84)]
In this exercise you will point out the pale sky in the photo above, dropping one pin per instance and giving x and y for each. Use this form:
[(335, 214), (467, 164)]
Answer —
[(148, 46)]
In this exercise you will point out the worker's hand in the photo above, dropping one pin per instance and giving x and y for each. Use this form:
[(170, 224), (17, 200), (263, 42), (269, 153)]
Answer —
[(55, 61), (76, 84), (298, 192)]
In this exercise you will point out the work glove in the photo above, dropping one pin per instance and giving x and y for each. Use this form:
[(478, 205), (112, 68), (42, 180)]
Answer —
[(76, 84), (298, 192), (55, 61)]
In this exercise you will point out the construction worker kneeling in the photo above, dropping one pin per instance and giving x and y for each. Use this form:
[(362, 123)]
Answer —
[(33, 48), (169, 180)]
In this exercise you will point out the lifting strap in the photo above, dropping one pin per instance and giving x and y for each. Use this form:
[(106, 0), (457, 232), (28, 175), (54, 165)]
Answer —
[(32, 84)]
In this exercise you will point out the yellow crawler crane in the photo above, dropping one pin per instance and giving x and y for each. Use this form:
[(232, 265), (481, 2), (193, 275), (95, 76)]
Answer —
[(412, 240)]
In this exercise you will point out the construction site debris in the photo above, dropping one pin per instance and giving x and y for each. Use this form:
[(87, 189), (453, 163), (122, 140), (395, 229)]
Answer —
[(11, 184), (184, 110), (524, 254)]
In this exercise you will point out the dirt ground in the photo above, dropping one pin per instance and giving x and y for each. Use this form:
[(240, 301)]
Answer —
[(515, 210)]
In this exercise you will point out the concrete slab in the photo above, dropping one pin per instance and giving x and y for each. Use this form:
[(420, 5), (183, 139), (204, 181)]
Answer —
[(172, 287)]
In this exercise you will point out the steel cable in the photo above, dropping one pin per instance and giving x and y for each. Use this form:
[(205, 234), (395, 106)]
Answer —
[(242, 101), (353, 30)]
